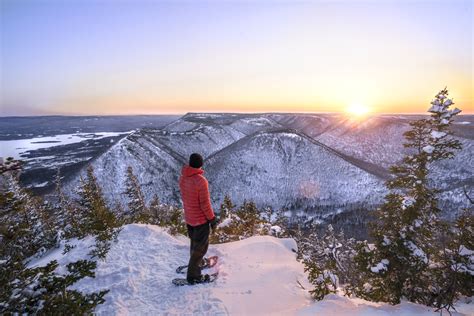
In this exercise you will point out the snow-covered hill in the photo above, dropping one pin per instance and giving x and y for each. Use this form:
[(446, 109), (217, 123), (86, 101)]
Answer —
[(287, 169), (154, 163), (282, 160), (378, 140), (257, 276)]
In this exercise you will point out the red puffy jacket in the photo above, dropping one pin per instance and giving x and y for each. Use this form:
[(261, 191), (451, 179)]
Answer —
[(195, 195)]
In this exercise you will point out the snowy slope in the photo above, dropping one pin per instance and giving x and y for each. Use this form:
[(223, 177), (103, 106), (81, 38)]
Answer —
[(379, 140), (157, 156), (257, 276), (296, 160), (208, 133), (284, 168), (155, 165), (376, 139), (310, 124)]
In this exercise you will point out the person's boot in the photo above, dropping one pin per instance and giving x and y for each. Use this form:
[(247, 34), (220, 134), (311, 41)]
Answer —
[(205, 278), (202, 279)]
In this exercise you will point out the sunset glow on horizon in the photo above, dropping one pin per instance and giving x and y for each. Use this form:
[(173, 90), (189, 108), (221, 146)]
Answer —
[(358, 109), (163, 57)]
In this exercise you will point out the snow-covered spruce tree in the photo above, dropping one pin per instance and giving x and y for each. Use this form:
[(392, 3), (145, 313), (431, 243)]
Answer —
[(95, 216), (157, 212), (137, 209), (175, 220), (64, 211), (249, 215), (27, 232), (226, 208), (453, 263), (25, 227), (41, 291), (328, 261), (228, 223), (281, 221), (242, 222), (407, 227), (167, 216)]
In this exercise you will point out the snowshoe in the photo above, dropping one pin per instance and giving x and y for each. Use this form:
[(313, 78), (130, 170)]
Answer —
[(205, 278), (207, 263)]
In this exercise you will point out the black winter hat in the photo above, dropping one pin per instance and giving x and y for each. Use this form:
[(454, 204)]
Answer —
[(195, 160)]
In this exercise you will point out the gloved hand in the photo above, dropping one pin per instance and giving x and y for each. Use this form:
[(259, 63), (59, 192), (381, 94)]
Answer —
[(213, 224)]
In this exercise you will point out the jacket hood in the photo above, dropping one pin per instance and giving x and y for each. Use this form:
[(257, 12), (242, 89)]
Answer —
[(188, 171)]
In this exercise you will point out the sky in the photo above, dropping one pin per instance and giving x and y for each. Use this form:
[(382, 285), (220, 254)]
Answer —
[(160, 57)]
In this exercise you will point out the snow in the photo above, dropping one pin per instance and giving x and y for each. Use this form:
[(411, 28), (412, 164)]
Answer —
[(140, 266), (435, 108), (437, 134), (464, 251), (381, 266), (469, 267), (276, 230), (417, 251), (428, 149), (40, 185), (407, 201), (451, 113), (335, 305), (80, 251), (226, 222), (15, 148), (257, 276), (291, 135)]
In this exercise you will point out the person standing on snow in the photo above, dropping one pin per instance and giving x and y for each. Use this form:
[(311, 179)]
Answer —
[(198, 214)]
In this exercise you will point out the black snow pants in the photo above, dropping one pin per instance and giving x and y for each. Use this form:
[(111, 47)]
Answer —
[(199, 236)]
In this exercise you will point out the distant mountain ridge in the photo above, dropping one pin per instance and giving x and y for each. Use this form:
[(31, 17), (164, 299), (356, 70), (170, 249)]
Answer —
[(292, 161)]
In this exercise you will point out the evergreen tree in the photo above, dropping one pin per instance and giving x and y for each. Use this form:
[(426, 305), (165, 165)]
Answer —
[(26, 231), (176, 222), (240, 223), (250, 216), (64, 211), (42, 291), (267, 214), (405, 234), (453, 265), (328, 260), (156, 211), (226, 208), (137, 209), (282, 221), (167, 216), (95, 216), (25, 227)]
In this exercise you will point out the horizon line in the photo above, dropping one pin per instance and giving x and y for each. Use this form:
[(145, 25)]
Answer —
[(218, 112)]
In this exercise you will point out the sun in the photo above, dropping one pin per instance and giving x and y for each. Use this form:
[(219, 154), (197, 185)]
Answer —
[(358, 109)]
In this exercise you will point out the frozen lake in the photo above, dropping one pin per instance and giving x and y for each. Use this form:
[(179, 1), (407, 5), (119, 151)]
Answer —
[(18, 147), (47, 144)]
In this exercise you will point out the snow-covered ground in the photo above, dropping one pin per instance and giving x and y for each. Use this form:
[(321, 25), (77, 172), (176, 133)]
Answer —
[(15, 148), (257, 276)]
